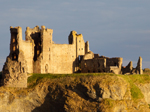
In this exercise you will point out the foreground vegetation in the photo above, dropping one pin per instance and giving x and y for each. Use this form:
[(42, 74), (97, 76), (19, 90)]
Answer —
[(79, 88), (37, 77), (133, 80)]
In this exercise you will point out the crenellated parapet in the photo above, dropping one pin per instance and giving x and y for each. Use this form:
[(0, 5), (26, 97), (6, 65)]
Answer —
[(30, 31)]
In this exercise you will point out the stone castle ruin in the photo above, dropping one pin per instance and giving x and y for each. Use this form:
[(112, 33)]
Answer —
[(39, 54)]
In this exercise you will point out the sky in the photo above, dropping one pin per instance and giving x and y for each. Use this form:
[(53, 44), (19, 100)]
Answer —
[(114, 28)]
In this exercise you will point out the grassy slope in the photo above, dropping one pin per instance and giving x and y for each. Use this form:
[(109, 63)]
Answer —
[(35, 78), (131, 79), (136, 94)]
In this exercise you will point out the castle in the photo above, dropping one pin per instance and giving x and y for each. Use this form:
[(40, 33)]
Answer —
[(39, 54)]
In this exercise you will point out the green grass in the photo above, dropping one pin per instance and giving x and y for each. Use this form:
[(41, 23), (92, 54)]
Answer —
[(133, 80), (138, 79), (34, 79)]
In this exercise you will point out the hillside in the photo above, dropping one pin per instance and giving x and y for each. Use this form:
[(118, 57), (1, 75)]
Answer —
[(79, 93)]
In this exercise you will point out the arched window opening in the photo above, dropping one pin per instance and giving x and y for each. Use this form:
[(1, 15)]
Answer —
[(14, 40), (14, 56), (38, 52), (14, 48), (46, 68)]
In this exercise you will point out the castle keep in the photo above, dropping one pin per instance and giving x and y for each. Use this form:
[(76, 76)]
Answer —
[(39, 54)]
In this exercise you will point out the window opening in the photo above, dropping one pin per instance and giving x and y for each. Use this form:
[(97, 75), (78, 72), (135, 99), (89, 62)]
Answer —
[(46, 68), (37, 41), (14, 48), (14, 56)]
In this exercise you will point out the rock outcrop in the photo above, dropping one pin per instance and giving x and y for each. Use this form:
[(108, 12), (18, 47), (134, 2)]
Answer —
[(75, 94), (14, 72)]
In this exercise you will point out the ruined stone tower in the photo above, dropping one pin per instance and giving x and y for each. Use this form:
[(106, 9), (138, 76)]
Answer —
[(14, 72), (39, 54)]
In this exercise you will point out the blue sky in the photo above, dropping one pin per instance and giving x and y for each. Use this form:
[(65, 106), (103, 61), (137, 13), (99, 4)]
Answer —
[(114, 28)]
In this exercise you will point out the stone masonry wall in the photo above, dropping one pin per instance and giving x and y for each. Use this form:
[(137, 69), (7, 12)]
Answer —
[(93, 65), (63, 56)]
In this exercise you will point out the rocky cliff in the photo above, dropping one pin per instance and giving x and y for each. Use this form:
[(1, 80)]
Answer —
[(102, 93)]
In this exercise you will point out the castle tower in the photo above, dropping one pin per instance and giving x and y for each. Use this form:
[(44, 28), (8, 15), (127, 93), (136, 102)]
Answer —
[(16, 38), (46, 35), (15, 68), (80, 47)]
